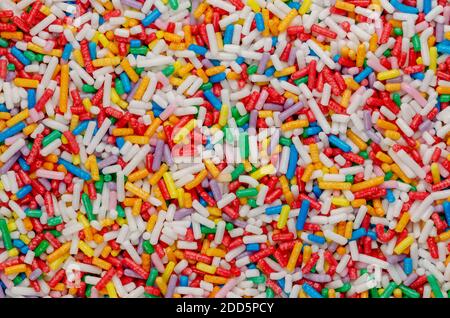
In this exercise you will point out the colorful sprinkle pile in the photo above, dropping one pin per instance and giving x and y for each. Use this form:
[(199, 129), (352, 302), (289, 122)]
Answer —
[(241, 148)]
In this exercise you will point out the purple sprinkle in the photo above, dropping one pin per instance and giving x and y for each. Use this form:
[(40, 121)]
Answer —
[(168, 155), (133, 91), (45, 183), (410, 279), (128, 272), (107, 162), (171, 286), (394, 259), (217, 194), (158, 155), (181, 213), (367, 120), (132, 3), (8, 164), (262, 63), (320, 278), (112, 186), (290, 111), (292, 55)]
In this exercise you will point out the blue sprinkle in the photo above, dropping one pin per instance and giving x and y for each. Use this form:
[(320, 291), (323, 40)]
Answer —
[(200, 50), (18, 243), (67, 51), (125, 82), (269, 72), (316, 190), (357, 234), (337, 142), (259, 22), (312, 131), (316, 239), (92, 50), (19, 55), (426, 6), (364, 73), (273, 210), (31, 98), (218, 77), (120, 141), (11, 131), (293, 158), (24, 191), (23, 164), (408, 265), (310, 291), (228, 35), (390, 196), (302, 215), (75, 170), (152, 17), (252, 247), (184, 280), (135, 43), (80, 128), (404, 8), (372, 235), (212, 99), (240, 60), (446, 206)]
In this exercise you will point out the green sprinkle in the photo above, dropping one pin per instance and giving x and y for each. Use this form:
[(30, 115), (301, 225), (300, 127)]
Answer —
[(269, 293), (55, 134), (237, 171), (142, 50), (88, 88), (250, 192), (88, 207), (173, 4), (30, 55), (416, 43), (435, 286), (206, 86), (54, 221), (301, 80), (152, 277), (349, 178), (207, 230), (364, 154), (324, 292), (398, 31), (120, 211), (243, 120), (244, 145), (6, 236), (33, 213), (252, 203), (119, 86), (229, 226), (344, 288), (41, 248), (388, 175), (285, 141), (148, 248), (389, 290), (252, 69), (410, 293), (445, 98), (396, 99), (258, 280), (168, 70), (3, 42), (11, 67)]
